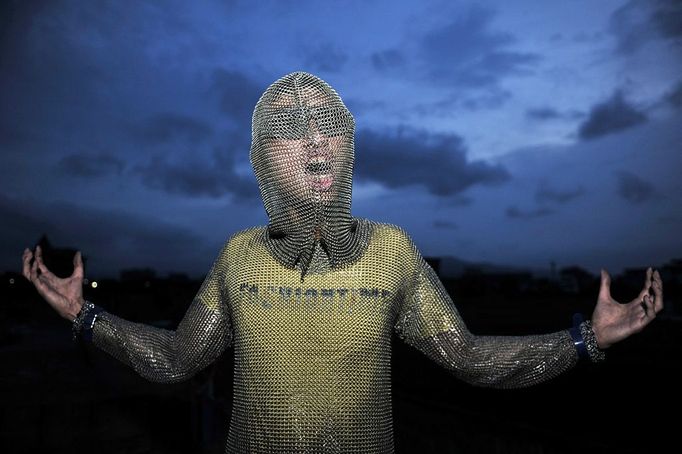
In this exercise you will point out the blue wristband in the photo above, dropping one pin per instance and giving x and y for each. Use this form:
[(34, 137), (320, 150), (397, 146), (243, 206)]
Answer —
[(85, 321), (89, 323), (578, 340)]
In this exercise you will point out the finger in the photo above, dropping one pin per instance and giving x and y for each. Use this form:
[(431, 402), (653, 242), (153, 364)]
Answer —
[(34, 271), (657, 285), (647, 283), (648, 306), (77, 265), (26, 269), (41, 265), (605, 287)]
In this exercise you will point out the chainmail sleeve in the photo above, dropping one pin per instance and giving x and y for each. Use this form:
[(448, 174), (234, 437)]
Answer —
[(429, 321), (168, 356)]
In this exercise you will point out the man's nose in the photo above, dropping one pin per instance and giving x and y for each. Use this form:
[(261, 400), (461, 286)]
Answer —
[(315, 137)]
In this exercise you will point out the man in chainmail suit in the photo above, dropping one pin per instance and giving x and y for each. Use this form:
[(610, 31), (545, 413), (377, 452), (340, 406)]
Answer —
[(310, 302)]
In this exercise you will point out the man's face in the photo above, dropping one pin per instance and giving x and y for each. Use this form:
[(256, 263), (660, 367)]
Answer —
[(308, 146), (310, 165)]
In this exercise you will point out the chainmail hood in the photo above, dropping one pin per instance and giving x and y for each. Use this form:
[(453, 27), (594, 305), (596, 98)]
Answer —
[(302, 153)]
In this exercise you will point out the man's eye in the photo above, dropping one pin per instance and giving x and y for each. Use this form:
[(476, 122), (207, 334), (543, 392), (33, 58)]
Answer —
[(333, 126), (285, 118)]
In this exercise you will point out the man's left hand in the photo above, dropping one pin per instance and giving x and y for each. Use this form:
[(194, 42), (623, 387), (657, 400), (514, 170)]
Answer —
[(613, 321)]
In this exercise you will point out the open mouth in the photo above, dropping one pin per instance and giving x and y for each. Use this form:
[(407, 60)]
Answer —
[(318, 170)]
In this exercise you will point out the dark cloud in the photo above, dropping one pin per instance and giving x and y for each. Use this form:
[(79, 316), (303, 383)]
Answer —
[(641, 21), (445, 224), (89, 166), (491, 98), (546, 193), (408, 157), (633, 188), (194, 177), (237, 94), (613, 115), (543, 113), (674, 97), (327, 58), (167, 127), (110, 239), (466, 52), (514, 212), (549, 113), (667, 18), (48, 76), (388, 60)]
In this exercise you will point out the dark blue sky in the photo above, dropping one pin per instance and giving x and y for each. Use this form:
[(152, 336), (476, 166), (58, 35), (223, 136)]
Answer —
[(514, 133)]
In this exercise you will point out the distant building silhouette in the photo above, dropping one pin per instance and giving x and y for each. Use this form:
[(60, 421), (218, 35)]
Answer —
[(671, 272), (137, 275), (574, 279)]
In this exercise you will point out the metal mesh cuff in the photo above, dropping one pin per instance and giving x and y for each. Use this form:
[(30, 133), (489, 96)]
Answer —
[(595, 353)]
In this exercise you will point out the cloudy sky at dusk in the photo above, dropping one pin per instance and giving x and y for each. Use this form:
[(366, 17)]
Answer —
[(514, 133)]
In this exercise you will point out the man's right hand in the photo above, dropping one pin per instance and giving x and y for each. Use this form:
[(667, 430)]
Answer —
[(64, 295)]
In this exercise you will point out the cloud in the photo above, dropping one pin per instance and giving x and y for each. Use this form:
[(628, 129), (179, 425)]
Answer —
[(326, 57), (667, 19), (641, 21), (633, 188), (214, 177), (408, 157), (546, 113), (674, 97), (546, 193), (237, 94), (166, 127), (543, 113), (491, 98), (110, 239), (612, 115), (388, 60), (90, 166), (466, 52), (514, 212)]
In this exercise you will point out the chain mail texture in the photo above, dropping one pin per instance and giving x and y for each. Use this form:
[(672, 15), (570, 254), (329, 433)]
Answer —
[(310, 301)]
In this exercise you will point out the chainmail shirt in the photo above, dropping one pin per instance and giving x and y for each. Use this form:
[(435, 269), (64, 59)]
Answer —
[(310, 302)]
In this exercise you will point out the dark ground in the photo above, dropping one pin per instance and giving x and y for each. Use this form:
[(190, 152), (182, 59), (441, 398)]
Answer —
[(58, 397)]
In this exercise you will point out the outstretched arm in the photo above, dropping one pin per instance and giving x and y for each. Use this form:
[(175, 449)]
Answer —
[(429, 321), (157, 354)]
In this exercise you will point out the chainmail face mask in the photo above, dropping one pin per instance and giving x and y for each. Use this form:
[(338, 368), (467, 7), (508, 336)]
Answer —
[(302, 155)]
